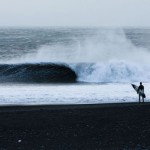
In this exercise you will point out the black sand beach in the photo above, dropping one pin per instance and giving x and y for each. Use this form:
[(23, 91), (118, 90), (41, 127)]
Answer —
[(69, 127)]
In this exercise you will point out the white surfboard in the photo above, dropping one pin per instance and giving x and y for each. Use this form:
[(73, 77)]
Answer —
[(141, 92)]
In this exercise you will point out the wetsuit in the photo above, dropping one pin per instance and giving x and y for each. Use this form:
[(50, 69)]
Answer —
[(141, 87)]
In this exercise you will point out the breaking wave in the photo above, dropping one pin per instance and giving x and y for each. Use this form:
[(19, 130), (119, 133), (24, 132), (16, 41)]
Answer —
[(36, 73), (111, 72), (77, 72)]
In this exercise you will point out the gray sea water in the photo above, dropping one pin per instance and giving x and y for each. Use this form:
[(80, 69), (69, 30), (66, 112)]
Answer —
[(106, 62)]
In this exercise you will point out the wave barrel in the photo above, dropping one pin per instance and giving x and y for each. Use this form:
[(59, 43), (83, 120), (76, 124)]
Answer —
[(37, 73)]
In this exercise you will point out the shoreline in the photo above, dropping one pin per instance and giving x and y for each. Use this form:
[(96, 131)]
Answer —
[(71, 106), (80, 126)]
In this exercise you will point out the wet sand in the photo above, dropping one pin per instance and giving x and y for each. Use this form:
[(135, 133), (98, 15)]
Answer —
[(71, 127)]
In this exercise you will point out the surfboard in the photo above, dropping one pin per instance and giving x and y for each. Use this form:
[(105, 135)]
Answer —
[(141, 92)]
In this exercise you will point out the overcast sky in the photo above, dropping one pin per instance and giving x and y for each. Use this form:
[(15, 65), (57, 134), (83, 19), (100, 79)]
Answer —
[(114, 13)]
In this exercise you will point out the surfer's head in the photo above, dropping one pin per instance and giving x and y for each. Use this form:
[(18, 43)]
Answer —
[(140, 83)]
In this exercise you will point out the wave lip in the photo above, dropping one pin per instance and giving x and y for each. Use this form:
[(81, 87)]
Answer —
[(37, 73)]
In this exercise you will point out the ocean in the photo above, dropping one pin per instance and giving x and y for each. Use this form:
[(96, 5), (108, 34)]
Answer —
[(73, 65)]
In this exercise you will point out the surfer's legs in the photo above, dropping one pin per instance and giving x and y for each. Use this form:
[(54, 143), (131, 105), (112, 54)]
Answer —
[(140, 98), (143, 99)]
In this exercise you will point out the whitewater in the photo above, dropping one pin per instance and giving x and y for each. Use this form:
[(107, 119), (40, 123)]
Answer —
[(101, 64)]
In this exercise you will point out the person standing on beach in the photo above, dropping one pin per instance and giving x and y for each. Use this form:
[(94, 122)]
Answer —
[(141, 88)]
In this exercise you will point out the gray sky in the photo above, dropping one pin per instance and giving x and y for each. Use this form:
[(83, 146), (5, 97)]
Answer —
[(75, 13)]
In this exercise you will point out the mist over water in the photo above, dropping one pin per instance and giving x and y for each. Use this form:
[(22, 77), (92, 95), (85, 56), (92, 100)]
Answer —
[(96, 55), (92, 47)]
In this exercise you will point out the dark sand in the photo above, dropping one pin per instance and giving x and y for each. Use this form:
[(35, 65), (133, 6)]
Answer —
[(69, 127)]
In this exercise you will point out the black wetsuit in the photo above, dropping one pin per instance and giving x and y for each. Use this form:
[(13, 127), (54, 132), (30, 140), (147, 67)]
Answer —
[(141, 87)]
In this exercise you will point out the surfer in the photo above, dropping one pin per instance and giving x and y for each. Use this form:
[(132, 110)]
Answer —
[(141, 88)]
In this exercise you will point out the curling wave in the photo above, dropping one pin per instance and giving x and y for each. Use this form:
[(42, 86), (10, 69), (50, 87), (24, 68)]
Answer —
[(36, 73), (80, 72)]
